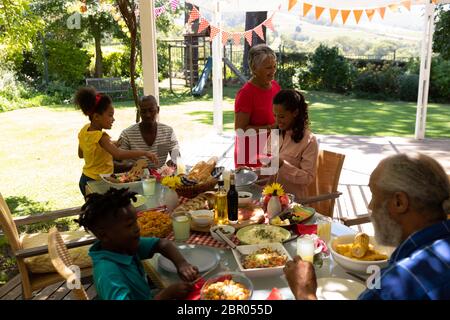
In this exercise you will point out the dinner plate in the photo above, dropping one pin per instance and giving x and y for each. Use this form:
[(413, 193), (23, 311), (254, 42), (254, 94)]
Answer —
[(204, 258), (338, 289), (245, 177), (140, 200)]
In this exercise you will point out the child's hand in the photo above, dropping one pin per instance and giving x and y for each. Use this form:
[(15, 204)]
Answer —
[(153, 157), (187, 271), (175, 291)]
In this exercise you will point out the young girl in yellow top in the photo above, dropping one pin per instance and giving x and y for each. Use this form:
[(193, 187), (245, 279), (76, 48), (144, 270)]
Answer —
[(95, 146)]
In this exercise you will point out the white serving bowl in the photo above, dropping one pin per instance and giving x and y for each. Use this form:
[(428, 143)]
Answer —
[(228, 231), (202, 218), (358, 265), (260, 272), (244, 197)]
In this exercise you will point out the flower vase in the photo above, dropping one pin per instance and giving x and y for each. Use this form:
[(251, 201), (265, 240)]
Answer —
[(170, 199), (274, 206)]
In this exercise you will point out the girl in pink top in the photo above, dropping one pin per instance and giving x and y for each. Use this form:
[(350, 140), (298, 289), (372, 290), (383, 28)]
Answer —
[(253, 105), (298, 146)]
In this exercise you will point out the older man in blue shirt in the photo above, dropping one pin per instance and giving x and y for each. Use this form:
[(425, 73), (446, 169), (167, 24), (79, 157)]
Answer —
[(410, 203)]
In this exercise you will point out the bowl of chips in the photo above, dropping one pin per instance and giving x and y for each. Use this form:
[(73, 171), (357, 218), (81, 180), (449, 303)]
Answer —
[(154, 223)]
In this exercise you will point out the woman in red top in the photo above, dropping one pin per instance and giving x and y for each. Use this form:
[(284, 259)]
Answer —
[(253, 107)]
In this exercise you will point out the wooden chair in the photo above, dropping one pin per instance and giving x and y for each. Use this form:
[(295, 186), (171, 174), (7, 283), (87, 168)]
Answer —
[(62, 261), (323, 190), (35, 281)]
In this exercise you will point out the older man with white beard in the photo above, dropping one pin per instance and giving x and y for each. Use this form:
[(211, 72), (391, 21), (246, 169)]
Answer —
[(409, 207)]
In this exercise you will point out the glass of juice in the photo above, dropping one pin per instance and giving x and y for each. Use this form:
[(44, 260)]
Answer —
[(148, 186), (305, 248), (181, 227), (324, 229)]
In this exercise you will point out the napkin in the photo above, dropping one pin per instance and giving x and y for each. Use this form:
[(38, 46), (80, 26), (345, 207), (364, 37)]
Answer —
[(301, 229)]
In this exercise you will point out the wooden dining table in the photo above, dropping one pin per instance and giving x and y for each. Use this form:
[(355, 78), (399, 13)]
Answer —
[(262, 285)]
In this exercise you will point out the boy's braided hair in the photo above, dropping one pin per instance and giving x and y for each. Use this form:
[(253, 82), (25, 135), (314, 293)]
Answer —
[(102, 207)]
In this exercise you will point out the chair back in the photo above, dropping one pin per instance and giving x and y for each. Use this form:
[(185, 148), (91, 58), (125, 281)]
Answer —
[(8, 225), (329, 167), (61, 260)]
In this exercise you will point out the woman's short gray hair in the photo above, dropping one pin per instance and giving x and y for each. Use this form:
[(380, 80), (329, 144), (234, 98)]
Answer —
[(259, 53), (419, 176)]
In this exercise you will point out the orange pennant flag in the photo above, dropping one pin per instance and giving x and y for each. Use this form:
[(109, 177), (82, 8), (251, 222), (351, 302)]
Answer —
[(237, 38), (225, 37), (319, 11), (306, 8), (203, 25), (357, 14), (259, 31), (370, 13), (333, 14), (407, 5), (195, 14), (292, 4), (345, 14), (214, 32), (382, 11), (268, 23), (248, 36)]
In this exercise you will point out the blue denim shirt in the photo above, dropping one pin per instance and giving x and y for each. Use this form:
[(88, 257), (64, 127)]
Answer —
[(419, 269), (120, 276)]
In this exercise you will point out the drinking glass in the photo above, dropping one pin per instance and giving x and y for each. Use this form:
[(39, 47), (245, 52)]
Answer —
[(324, 229), (305, 248), (148, 186), (181, 227)]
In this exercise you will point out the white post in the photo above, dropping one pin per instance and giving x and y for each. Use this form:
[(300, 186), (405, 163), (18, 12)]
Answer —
[(217, 70), (148, 43), (425, 66)]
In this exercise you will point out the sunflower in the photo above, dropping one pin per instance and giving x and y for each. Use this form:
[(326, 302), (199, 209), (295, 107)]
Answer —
[(274, 189), (173, 182)]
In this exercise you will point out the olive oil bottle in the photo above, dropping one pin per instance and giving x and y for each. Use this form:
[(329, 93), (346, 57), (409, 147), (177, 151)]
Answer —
[(220, 206)]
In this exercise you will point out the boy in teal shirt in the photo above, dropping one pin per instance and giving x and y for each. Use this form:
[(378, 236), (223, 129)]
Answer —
[(116, 257)]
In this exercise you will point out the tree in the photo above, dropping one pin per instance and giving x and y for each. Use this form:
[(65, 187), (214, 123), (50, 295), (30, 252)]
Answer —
[(253, 19), (441, 43)]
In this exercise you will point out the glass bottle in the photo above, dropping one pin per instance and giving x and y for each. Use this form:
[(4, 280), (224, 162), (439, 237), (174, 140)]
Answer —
[(232, 202), (220, 206)]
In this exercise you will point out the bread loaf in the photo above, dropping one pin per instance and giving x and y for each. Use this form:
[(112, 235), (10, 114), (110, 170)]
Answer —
[(202, 170), (202, 201)]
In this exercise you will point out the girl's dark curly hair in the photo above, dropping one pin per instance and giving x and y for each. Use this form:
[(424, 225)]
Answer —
[(90, 102), (293, 100), (103, 207)]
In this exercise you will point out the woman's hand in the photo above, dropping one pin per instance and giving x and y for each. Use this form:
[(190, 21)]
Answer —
[(301, 278), (175, 291), (152, 157), (187, 271)]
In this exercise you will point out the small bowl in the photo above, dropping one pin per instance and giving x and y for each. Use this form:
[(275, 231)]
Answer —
[(220, 277), (202, 218), (227, 230), (244, 197)]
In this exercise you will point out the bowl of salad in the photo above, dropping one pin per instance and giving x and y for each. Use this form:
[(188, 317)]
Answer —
[(294, 215)]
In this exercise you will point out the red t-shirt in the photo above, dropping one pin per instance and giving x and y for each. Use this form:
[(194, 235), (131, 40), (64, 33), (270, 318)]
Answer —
[(258, 103)]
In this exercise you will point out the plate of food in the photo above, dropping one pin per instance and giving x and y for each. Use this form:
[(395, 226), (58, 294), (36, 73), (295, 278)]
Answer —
[(128, 179), (261, 260), (294, 215), (262, 234), (202, 257), (154, 223), (227, 286)]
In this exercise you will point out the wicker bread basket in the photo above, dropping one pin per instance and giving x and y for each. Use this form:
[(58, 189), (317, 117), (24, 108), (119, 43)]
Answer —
[(193, 191)]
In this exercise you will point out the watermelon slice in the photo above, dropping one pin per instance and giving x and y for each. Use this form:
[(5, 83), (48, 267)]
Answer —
[(275, 295)]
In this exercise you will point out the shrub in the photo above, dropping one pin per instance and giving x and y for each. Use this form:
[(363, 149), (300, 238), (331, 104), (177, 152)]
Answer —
[(408, 87), (378, 81), (440, 79), (116, 64)]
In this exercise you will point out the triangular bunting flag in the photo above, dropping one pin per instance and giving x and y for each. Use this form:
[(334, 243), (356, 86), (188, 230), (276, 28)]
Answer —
[(407, 5), (237, 38), (195, 14), (259, 31), (268, 23), (306, 8), (333, 14), (248, 36), (174, 4), (357, 14), (292, 4), (319, 11), (382, 11), (214, 32), (393, 7), (225, 37), (370, 13), (203, 25), (344, 14)]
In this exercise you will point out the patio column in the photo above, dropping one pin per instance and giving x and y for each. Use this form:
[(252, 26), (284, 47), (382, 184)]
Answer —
[(425, 66), (217, 69), (148, 44)]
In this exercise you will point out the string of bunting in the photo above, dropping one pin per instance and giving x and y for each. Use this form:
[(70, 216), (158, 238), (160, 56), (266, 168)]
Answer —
[(173, 5), (234, 36), (345, 13)]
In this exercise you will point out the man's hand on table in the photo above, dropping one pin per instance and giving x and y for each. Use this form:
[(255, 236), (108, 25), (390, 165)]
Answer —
[(187, 271), (301, 278)]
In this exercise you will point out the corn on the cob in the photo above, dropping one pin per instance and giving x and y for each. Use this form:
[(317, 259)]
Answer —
[(360, 245)]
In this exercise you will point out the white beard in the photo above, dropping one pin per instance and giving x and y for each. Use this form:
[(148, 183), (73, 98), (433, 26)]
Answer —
[(387, 231)]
